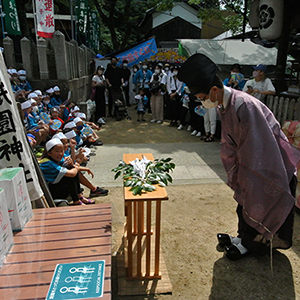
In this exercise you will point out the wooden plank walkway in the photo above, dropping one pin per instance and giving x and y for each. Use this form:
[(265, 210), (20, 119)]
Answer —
[(55, 236)]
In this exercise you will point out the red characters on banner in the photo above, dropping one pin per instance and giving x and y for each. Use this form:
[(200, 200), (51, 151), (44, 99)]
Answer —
[(49, 21), (45, 18), (48, 5)]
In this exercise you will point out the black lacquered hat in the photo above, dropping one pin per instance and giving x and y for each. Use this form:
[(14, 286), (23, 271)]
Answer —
[(198, 73)]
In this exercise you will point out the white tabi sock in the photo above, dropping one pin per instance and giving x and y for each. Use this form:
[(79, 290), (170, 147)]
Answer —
[(242, 249), (236, 240)]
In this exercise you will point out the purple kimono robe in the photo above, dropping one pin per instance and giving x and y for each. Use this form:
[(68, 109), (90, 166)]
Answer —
[(259, 162)]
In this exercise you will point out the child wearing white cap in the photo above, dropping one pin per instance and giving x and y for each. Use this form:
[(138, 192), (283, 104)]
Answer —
[(77, 156), (14, 80), (24, 84), (39, 129), (70, 157), (62, 181), (54, 115), (55, 98)]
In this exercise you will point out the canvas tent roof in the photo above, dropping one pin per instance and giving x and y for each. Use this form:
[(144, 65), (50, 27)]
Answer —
[(227, 52)]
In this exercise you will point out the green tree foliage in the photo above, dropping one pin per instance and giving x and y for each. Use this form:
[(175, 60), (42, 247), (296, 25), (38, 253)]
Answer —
[(232, 19), (120, 21)]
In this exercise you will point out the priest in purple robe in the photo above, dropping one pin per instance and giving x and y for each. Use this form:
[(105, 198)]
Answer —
[(259, 161)]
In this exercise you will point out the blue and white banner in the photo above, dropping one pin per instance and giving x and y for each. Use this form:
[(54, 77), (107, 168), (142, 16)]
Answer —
[(138, 53)]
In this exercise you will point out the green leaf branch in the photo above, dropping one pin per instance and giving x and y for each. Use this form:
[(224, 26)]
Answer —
[(142, 175)]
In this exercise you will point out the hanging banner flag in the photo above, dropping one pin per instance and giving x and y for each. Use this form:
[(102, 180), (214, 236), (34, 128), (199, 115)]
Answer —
[(82, 16), (14, 148), (93, 31), (138, 53), (45, 18), (12, 24)]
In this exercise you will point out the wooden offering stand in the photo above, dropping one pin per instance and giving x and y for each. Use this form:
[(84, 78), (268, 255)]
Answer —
[(140, 248)]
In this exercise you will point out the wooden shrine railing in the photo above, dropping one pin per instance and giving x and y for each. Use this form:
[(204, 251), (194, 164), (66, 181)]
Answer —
[(284, 108)]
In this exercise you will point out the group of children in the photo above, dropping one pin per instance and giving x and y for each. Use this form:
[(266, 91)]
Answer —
[(66, 136)]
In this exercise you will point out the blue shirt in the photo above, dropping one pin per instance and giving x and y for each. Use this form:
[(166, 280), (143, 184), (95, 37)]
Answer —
[(142, 78), (25, 86), (55, 102), (31, 122), (52, 171)]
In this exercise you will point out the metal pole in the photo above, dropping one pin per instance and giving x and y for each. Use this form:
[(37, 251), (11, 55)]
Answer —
[(34, 19), (76, 11), (72, 19), (2, 19)]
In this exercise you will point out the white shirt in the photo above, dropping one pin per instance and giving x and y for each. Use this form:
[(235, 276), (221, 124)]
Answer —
[(174, 85), (263, 86), (226, 96), (162, 77), (98, 79)]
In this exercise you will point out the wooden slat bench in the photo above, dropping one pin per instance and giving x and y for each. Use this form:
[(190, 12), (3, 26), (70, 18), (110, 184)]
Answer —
[(55, 236)]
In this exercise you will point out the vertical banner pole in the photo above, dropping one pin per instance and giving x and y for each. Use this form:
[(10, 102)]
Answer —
[(34, 19), (2, 19), (76, 20), (72, 19)]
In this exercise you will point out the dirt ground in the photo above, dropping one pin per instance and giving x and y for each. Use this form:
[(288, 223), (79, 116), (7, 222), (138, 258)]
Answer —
[(191, 218)]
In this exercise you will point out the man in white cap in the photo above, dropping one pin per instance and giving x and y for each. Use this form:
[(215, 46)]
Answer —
[(259, 161), (24, 84)]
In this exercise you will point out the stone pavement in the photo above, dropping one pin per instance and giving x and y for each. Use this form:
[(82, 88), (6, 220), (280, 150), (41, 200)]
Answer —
[(196, 162)]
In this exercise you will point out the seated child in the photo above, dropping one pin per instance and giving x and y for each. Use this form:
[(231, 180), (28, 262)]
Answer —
[(68, 161), (55, 116), (39, 130), (62, 181)]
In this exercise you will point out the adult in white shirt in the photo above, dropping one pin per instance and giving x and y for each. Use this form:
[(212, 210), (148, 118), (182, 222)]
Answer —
[(260, 86), (99, 84)]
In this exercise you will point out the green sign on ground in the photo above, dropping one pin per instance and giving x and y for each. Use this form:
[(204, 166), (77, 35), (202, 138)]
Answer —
[(81, 280)]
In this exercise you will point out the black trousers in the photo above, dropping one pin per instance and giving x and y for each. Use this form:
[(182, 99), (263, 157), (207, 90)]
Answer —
[(183, 112), (100, 103), (248, 233), (175, 108), (65, 187), (126, 92), (197, 122)]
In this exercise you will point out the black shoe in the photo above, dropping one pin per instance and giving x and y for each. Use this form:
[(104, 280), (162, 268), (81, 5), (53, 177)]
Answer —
[(97, 143), (99, 192), (143, 120), (138, 120), (233, 253), (224, 240)]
